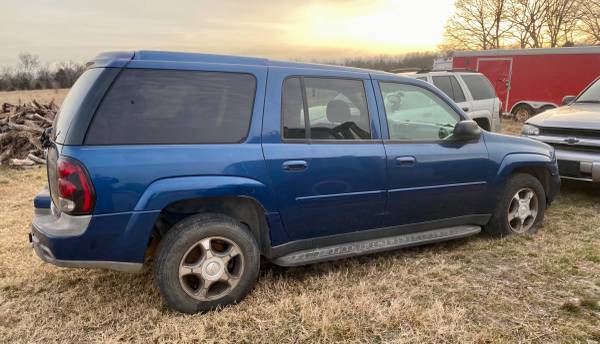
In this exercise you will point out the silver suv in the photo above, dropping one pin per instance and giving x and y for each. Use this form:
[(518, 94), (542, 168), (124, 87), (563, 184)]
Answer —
[(472, 92)]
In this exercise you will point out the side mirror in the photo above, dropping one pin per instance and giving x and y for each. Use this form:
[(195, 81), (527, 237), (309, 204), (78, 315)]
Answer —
[(568, 100), (466, 130)]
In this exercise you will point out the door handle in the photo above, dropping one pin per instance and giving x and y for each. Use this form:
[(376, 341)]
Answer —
[(465, 109), (294, 165), (406, 161)]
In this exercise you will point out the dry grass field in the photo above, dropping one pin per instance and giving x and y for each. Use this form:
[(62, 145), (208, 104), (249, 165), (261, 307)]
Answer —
[(537, 289), (43, 96)]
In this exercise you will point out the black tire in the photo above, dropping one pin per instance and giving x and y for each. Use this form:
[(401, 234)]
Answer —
[(499, 225), (182, 238), (545, 108), (522, 112)]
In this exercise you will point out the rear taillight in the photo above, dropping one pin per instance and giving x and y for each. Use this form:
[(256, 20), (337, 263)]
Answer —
[(75, 190)]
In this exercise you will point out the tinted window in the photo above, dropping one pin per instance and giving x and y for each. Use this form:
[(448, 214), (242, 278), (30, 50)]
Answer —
[(479, 87), (414, 113), (450, 86), (70, 106), (459, 96), (337, 109), (165, 106), (443, 83)]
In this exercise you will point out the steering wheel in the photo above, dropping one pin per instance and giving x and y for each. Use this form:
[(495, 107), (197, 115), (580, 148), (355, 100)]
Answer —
[(345, 131)]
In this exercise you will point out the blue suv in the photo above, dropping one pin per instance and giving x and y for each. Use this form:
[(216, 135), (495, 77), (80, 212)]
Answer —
[(209, 163)]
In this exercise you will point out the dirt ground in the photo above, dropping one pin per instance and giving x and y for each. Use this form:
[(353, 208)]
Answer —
[(43, 96), (543, 288)]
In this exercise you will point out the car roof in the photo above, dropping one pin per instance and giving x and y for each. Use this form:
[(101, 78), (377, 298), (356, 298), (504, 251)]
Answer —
[(117, 59), (446, 72), (122, 58)]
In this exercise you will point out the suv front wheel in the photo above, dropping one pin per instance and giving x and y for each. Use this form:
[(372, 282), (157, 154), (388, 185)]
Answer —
[(206, 261), (521, 208)]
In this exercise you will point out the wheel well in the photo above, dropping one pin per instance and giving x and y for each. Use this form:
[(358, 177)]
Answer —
[(516, 106), (540, 173), (246, 210), (483, 122)]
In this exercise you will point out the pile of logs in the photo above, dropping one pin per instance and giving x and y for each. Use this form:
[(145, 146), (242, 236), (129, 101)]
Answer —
[(21, 127)]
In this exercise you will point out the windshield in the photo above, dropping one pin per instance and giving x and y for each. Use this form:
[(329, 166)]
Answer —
[(70, 106), (591, 94)]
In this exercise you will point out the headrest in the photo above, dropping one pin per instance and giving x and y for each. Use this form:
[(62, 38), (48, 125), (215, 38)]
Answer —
[(338, 111)]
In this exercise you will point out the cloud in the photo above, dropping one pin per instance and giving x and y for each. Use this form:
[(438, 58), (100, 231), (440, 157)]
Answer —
[(78, 30)]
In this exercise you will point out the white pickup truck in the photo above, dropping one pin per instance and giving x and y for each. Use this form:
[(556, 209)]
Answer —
[(471, 91)]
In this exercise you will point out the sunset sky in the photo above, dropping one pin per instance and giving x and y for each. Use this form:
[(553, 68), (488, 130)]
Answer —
[(79, 29)]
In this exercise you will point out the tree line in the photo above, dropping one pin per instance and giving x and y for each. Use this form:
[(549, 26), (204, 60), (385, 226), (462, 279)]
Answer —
[(414, 60), (30, 74), (495, 24)]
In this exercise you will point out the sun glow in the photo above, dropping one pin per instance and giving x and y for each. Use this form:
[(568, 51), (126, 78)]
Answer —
[(378, 28)]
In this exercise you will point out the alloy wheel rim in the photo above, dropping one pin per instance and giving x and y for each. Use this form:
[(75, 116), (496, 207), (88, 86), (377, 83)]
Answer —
[(211, 268), (523, 210)]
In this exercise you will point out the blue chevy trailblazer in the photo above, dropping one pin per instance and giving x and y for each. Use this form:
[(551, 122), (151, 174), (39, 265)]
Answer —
[(211, 163)]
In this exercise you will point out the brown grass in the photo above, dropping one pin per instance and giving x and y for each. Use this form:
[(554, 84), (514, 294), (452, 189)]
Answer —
[(42, 96), (473, 290)]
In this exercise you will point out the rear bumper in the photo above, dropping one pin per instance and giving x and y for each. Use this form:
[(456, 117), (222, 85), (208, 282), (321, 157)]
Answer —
[(47, 256), (108, 241)]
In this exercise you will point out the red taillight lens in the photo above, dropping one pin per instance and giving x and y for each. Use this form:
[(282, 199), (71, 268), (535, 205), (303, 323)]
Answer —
[(75, 190)]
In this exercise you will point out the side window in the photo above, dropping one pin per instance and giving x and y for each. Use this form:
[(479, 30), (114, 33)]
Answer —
[(146, 106), (416, 114), (479, 87), (292, 108), (459, 95), (443, 83), (336, 108)]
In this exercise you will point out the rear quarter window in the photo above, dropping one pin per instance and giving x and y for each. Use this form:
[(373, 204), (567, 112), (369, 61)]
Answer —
[(479, 87), (174, 107), (73, 102)]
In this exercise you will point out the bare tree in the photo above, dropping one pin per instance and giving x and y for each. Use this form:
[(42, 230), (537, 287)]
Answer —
[(561, 20), (528, 18), (590, 20), (477, 24)]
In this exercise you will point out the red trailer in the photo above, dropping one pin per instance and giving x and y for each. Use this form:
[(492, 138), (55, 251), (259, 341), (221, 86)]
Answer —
[(529, 81)]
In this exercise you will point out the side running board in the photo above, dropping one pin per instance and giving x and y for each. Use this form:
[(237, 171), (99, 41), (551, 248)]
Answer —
[(357, 248)]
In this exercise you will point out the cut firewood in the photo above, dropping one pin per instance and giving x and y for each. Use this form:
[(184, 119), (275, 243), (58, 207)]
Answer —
[(34, 158), (21, 127)]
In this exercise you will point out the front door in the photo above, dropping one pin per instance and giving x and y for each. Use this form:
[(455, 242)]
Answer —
[(324, 154), (431, 177), (498, 71)]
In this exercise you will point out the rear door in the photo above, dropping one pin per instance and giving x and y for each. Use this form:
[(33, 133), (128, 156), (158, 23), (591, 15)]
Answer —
[(324, 152), (431, 179), (498, 71)]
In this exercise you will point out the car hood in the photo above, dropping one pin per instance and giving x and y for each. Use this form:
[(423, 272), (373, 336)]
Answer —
[(574, 116)]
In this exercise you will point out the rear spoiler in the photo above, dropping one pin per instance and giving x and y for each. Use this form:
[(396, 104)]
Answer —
[(115, 59)]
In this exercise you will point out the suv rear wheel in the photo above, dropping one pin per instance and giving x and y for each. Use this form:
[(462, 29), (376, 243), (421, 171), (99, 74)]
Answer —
[(206, 261), (521, 208)]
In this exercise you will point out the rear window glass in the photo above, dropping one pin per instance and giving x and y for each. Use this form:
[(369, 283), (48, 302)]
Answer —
[(479, 86), (174, 107), (70, 106)]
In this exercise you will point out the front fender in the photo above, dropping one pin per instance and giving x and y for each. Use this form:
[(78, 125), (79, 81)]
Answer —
[(514, 161), (163, 192)]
